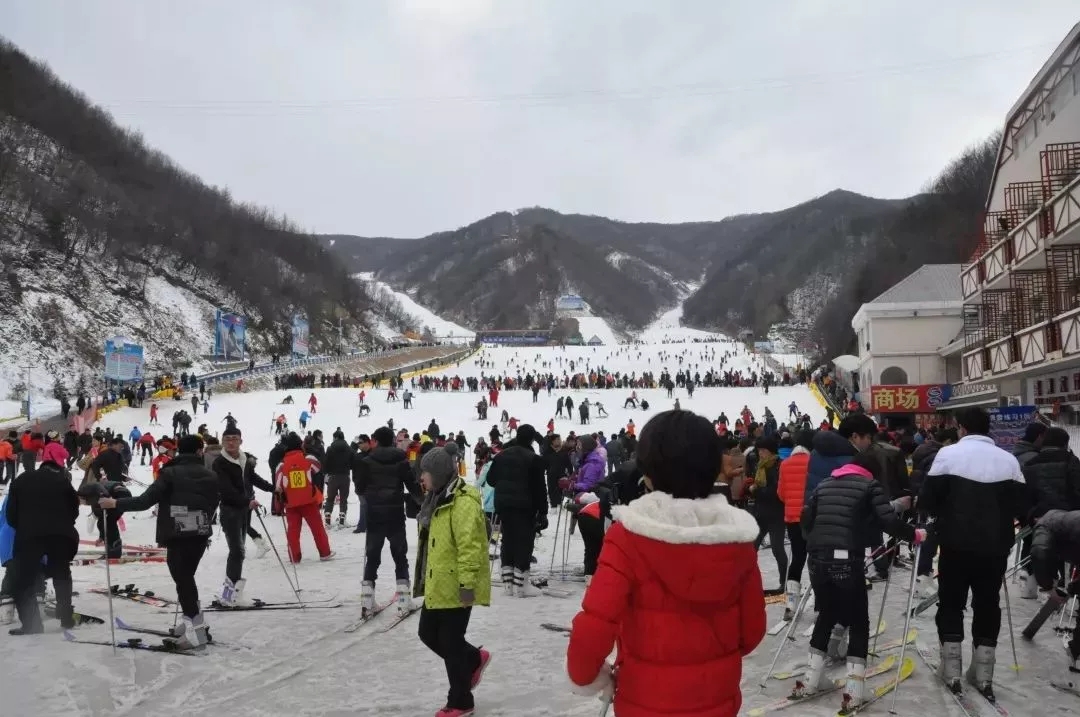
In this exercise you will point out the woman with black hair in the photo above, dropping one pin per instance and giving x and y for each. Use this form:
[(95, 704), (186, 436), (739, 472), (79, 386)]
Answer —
[(677, 584), (839, 520)]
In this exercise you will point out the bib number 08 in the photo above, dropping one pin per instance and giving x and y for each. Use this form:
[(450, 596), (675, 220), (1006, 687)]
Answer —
[(297, 479)]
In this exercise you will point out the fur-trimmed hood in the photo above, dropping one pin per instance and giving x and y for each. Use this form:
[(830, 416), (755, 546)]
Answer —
[(700, 550), (706, 521)]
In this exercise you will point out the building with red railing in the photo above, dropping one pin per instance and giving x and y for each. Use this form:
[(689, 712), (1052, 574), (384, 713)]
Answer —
[(1021, 287)]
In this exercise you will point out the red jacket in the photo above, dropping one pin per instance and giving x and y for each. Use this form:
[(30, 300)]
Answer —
[(791, 489), (678, 591)]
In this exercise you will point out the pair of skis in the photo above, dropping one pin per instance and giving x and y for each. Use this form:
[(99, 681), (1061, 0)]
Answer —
[(134, 643), (799, 668), (967, 705), (131, 593), (872, 696), (398, 619)]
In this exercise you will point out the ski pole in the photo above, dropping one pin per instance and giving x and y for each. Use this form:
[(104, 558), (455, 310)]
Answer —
[(1012, 635), (790, 631), (907, 626), (108, 581), (555, 547), (281, 562), (881, 612)]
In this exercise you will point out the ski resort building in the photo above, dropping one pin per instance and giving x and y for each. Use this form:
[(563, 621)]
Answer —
[(514, 337), (899, 367), (1021, 286)]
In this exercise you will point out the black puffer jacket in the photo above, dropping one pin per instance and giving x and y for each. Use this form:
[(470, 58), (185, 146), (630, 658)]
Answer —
[(1053, 481), (382, 477), (42, 504), (894, 473), (339, 458), (1024, 451), (975, 490), (517, 475), (843, 512), (921, 460), (238, 480), (185, 487), (1056, 540)]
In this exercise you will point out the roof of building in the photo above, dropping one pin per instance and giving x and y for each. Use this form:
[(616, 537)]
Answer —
[(928, 283)]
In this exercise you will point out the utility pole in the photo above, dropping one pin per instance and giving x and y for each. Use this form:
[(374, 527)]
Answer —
[(26, 383)]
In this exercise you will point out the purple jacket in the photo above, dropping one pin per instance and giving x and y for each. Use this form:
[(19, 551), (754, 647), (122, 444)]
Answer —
[(593, 470)]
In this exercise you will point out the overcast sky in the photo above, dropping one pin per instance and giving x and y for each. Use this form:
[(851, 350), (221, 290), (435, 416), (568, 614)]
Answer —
[(404, 117)]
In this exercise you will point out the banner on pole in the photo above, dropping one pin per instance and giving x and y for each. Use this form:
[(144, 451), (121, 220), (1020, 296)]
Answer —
[(230, 330), (300, 335), (1007, 424), (123, 360)]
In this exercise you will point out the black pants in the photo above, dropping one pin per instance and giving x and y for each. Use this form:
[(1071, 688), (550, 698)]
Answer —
[(554, 491), (234, 524), (443, 632), (927, 551), (982, 575), (26, 562), (337, 484), (592, 534), (798, 551), (251, 532), (109, 532), (28, 460), (518, 530), (774, 527), (182, 557), (11, 468), (379, 531), (145, 451), (840, 594)]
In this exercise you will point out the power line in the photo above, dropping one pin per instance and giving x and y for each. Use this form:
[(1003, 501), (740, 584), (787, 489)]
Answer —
[(234, 107)]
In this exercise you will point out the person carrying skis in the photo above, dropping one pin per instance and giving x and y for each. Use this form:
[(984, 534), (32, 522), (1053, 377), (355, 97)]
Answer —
[(843, 514), (294, 482), (383, 477), (237, 480), (975, 490), (1056, 540), (186, 494)]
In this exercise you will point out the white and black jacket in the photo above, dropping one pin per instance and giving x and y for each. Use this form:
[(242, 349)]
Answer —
[(974, 490)]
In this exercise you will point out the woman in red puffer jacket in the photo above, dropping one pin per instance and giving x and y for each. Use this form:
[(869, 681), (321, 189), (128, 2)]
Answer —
[(792, 491), (677, 590)]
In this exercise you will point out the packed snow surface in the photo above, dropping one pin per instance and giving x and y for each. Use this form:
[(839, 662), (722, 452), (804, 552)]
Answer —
[(439, 326), (302, 663)]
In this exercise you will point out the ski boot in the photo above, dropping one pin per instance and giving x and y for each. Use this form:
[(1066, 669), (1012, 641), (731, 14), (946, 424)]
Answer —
[(326, 520), (508, 580), (980, 673), (855, 686), (814, 679), (227, 598), (793, 591), (261, 547), (191, 634), (238, 593), (952, 665), (1029, 587), (367, 599), (1072, 652), (523, 587), (404, 598), (341, 519)]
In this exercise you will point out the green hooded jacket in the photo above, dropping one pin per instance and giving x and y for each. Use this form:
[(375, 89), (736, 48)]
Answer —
[(453, 551)]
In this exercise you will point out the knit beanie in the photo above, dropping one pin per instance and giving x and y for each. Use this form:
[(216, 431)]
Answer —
[(230, 430), (440, 465), (451, 449)]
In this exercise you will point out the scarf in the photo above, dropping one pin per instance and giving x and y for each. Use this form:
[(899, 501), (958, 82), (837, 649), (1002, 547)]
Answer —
[(763, 466), (432, 500)]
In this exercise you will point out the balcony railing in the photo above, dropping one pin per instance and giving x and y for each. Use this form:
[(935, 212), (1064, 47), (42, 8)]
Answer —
[(1032, 235)]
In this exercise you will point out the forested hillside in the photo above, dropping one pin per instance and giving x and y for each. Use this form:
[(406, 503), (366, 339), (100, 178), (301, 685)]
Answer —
[(99, 233)]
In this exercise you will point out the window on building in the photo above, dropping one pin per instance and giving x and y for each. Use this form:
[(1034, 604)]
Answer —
[(1051, 386), (894, 375), (1064, 384), (1038, 388), (1076, 381)]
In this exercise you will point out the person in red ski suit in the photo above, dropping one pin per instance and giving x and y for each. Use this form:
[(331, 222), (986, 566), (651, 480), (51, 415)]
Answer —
[(313, 402), (493, 397), (294, 483), (677, 590)]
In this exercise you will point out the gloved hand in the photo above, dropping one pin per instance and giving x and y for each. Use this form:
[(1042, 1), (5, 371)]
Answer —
[(603, 686), (541, 522), (467, 596)]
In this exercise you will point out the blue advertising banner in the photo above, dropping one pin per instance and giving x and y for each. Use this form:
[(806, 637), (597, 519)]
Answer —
[(229, 333), (123, 360), (300, 336), (1007, 424)]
